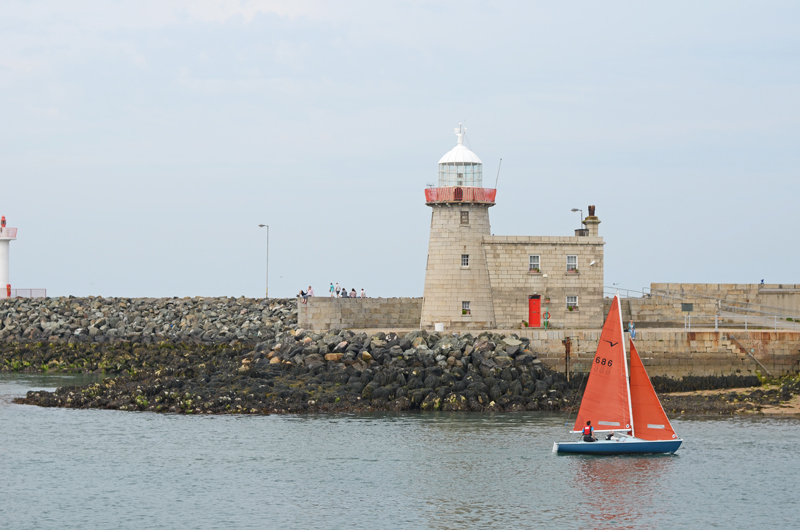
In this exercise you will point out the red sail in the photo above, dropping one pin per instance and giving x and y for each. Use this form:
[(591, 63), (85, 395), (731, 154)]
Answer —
[(605, 400), (649, 420)]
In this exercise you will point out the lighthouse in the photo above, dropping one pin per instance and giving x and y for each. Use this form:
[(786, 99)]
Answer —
[(7, 235), (457, 289)]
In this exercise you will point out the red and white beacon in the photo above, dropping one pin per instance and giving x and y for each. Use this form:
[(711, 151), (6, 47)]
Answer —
[(7, 235)]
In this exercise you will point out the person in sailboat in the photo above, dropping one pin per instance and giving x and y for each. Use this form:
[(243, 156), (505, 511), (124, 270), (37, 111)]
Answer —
[(588, 433)]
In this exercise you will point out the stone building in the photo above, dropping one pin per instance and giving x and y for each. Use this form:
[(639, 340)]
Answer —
[(474, 280)]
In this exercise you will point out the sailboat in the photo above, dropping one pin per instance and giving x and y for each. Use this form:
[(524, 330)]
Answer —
[(622, 404)]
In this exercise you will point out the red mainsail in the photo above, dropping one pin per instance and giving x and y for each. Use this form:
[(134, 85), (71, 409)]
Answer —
[(649, 420), (605, 400)]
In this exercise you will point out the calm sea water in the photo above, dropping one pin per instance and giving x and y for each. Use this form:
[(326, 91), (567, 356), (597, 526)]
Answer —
[(106, 469)]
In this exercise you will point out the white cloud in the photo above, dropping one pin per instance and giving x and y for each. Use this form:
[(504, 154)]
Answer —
[(103, 15), (222, 10)]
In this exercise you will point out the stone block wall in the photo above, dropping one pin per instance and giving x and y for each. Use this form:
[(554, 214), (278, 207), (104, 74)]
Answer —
[(678, 354), (512, 283), (321, 313), (447, 282), (768, 296), (660, 312)]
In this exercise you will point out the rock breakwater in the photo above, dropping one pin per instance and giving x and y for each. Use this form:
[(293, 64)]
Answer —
[(144, 320), (298, 371)]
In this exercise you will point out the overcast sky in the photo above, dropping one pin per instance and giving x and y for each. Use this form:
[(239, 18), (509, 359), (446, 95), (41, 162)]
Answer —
[(142, 142)]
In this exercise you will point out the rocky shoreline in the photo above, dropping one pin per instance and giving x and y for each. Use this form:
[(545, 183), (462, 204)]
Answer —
[(303, 372), (246, 356), (385, 372), (780, 397)]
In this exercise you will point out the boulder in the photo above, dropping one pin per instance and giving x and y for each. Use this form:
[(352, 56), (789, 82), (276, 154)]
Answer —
[(503, 361), (314, 360), (331, 340), (525, 359)]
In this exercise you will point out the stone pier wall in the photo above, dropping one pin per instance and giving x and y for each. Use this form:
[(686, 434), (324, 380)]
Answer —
[(679, 353), (770, 297), (660, 312), (322, 313)]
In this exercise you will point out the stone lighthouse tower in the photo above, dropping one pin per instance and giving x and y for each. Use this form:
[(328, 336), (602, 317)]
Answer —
[(457, 289)]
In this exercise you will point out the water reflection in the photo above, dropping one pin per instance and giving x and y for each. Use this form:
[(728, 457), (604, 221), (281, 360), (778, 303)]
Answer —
[(103, 469), (13, 385), (621, 491)]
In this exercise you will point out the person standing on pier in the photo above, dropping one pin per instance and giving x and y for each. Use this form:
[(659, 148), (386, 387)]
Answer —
[(331, 290)]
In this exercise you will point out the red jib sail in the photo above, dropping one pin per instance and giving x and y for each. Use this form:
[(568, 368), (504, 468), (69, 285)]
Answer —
[(605, 400), (649, 420)]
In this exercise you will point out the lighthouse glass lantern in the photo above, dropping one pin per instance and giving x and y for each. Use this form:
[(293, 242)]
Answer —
[(460, 167)]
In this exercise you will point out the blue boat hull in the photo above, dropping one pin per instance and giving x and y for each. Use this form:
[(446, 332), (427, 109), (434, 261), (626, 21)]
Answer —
[(628, 446)]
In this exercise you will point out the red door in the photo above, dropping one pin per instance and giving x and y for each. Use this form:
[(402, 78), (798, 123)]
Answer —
[(534, 311)]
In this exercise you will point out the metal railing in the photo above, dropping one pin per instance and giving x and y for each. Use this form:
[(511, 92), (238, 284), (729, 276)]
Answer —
[(460, 194), (731, 321), (765, 320), (749, 306), (748, 314), (623, 293), (28, 293)]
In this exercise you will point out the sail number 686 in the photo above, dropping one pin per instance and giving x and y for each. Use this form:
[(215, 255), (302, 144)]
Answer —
[(602, 361)]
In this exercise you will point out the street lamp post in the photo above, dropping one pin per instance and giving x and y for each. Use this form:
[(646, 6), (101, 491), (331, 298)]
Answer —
[(578, 210), (267, 288)]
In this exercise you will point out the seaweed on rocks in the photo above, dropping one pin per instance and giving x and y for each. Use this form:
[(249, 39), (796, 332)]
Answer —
[(302, 371), (689, 383), (721, 403)]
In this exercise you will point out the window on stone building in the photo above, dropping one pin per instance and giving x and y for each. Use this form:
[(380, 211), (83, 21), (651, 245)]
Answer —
[(572, 263), (533, 263), (465, 260), (572, 303), (464, 218), (465, 308)]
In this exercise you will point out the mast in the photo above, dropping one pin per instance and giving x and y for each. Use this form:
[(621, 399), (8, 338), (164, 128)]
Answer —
[(625, 363)]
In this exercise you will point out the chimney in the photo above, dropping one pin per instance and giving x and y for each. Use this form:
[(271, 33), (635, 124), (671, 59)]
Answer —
[(591, 222)]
